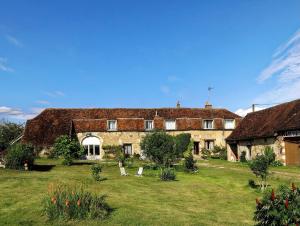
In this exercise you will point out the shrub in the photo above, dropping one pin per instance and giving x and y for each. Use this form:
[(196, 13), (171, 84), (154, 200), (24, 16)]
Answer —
[(8, 132), (115, 152), (160, 148), (189, 162), (276, 163), (167, 174), (96, 170), (243, 157), (205, 153), (18, 155), (252, 183), (182, 142), (280, 208), (66, 202), (259, 166), (270, 155), (68, 149), (220, 152)]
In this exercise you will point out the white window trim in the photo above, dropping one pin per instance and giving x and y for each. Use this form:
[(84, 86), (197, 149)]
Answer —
[(229, 120), (146, 124), (213, 126), (108, 129), (170, 120)]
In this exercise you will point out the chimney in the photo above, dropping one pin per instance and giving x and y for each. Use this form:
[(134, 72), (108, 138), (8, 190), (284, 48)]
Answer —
[(178, 104), (208, 105), (253, 107)]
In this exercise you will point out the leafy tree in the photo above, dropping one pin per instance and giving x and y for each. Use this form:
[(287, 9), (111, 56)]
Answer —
[(189, 162), (8, 132), (68, 149), (19, 154), (280, 208), (260, 166), (182, 142), (160, 148)]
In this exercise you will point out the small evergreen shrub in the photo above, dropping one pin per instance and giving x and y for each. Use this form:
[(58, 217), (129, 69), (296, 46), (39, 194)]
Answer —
[(205, 153), (19, 154), (68, 202), (260, 167), (189, 162), (252, 183), (96, 170), (280, 208), (243, 157), (167, 174), (276, 163), (270, 155)]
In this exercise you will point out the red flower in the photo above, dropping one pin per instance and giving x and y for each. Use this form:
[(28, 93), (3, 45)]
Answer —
[(78, 202), (286, 203), (67, 203), (53, 200), (273, 195)]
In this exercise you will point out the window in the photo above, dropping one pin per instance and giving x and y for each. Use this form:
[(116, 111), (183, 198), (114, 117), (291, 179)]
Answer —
[(170, 124), (91, 146), (149, 125), (112, 125), (229, 124), (209, 144), (127, 149), (208, 124)]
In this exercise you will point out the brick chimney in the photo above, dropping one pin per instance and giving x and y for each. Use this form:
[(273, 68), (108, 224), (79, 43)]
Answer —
[(208, 105)]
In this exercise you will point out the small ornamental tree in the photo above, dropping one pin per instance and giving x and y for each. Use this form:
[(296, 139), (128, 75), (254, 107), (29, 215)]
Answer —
[(182, 142), (68, 149), (189, 162), (280, 208), (260, 166)]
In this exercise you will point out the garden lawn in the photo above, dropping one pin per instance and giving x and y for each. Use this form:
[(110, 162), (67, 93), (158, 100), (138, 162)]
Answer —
[(217, 195)]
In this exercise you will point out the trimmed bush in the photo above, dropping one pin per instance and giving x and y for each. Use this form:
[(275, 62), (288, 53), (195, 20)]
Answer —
[(205, 153), (219, 152), (243, 157), (270, 155), (167, 174), (260, 167), (18, 155), (69, 202), (96, 170), (189, 162), (280, 208)]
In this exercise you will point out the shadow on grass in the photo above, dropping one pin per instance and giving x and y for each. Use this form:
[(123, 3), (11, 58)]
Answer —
[(82, 163), (42, 168)]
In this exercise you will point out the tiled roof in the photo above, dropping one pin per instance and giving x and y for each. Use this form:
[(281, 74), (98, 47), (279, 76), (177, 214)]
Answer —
[(53, 122), (267, 122)]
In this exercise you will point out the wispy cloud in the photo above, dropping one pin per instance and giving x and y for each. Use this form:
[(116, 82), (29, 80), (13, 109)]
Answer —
[(14, 41), (56, 93), (244, 111), (285, 68), (3, 65), (43, 102)]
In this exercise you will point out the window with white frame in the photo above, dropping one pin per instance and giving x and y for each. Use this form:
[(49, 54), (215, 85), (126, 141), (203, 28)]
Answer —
[(208, 124), (112, 125), (170, 124), (149, 125), (229, 123), (209, 144)]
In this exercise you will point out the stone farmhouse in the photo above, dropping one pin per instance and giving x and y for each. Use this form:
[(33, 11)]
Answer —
[(95, 128), (278, 127)]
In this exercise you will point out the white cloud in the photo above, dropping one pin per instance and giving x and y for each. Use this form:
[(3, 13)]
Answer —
[(14, 41), (15, 113), (56, 93), (243, 112), (285, 68), (43, 102), (3, 65)]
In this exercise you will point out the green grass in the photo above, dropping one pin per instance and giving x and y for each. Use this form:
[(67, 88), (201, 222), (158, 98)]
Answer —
[(217, 195)]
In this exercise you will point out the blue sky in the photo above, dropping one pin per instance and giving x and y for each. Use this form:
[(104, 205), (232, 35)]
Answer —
[(147, 54)]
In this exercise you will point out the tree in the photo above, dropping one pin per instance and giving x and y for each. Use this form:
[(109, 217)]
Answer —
[(189, 162), (160, 148), (8, 132), (260, 166), (68, 149), (182, 142)]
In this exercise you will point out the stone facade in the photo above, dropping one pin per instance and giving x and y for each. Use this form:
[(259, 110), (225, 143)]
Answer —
[(135, 138)]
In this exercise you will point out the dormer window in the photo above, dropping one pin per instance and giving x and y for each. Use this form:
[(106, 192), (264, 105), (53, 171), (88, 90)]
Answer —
[(149, 125), (229, 124), (170, 124), (112, 125), (208, 124)]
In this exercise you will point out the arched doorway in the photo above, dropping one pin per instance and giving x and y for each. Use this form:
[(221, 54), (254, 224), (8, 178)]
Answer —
[(91, 147)]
